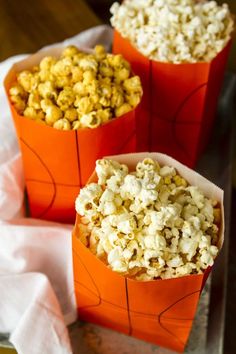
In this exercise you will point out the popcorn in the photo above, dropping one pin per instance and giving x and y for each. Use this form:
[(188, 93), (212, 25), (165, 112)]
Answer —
[(77, 90), (19, 103), (90, 120), (174, 31), (147, 225), (53, 113), (123, 109), (62, 124)]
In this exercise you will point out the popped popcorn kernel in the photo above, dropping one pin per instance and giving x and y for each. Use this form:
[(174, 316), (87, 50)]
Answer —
[(18, 102), (62, 124), (143, 229), (53, 113), (30, 112), (90, 120), (123, 109), (70, 51), (17, 90)]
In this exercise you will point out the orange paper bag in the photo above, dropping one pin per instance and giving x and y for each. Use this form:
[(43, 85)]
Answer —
[(159, 311), (57, 163), (179, 104)]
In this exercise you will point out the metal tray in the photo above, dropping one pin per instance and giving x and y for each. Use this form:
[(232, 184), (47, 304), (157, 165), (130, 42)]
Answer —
[(207, 335)]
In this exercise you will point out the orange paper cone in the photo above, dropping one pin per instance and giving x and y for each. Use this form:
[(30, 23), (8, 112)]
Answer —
[(179, 104), (57, 163), (159, 311)]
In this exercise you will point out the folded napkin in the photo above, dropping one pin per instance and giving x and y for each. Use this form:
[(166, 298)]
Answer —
[(36, 282)]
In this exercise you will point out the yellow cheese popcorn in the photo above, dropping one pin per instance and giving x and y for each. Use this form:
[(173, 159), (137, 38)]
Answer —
[(123, 109), (143, 228), (66, 98), (53, 113), (77, 90), (90, 120), (34, 100), (62, 124), (30, 112), (84, 104), (133, 84), (70, 51), (88, 77), (19, 103), (62, 67), (27, 80), (46, 90), (71, 114), (77, 74), (17, 90), (46, 63), (100, 52)]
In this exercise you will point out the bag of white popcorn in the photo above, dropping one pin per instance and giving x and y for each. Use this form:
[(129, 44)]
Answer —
[(70, 107), (180, 49), (147, 232)]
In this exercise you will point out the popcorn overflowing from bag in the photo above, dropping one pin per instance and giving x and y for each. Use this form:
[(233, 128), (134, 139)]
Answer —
[(78, 90), (149, 223), (174, 31)]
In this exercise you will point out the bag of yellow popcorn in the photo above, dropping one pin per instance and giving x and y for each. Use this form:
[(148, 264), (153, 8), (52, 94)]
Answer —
[(70, 108), (180, 50), (147, 232)]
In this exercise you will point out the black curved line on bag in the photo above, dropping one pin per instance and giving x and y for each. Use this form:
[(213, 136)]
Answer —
[(47, 182), (173, 120), (50, 175), (162, 313), (91, 278), (133, 311), (178, 111)]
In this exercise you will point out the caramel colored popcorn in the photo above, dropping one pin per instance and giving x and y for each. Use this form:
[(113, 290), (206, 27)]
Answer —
[(174, 31), (77, 90), (149, 223)]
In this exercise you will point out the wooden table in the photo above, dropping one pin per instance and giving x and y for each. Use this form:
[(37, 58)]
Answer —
[(27, 25)]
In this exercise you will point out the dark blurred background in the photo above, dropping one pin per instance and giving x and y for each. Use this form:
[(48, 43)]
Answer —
[(26, 26)]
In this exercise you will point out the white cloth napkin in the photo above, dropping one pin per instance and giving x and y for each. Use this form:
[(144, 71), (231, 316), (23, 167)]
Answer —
[(36, 281)]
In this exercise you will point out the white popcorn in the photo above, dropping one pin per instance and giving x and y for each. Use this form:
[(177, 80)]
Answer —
[(167, 171), (175, 262), (126, 224), (107, 204), (188, 246), (86, 202), (147, 224), (197, 196), (108, 168), (115, 260), (185, 270), (131, 187), (189, 211), (147, 197), (206, 259), (174, 31), (156, 242), (207, 211)]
